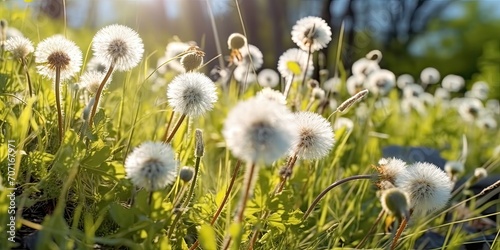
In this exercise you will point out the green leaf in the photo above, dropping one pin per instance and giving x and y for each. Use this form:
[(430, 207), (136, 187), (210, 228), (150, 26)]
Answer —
[(207, 237), (122, 216)]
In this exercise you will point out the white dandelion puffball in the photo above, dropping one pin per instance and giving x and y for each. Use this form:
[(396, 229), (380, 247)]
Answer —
[(413, 90), (259, 130), (355, 84), (364, 67), (118, 45), (453, 83), (381, 82), (311, 33), (272, 95), (333, 85), (493, 106), (268, 78), (316, 137), (294, 63), (151, 166), (442, 94), (487, 122), (91, 80), (428, 186), (430, 76), (480, 90), (390, 169), (343, 122), (470, 109), (404, 80), (172, 50), (192, 94), (58, 52), (252, 58), (20, 47)]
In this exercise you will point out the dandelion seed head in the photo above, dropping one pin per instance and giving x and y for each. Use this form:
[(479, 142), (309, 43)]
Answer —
[(364, 67), (268, 78), (118, 45), (374, 55), (480, 90), (333, 85), (389, 169), (318, 93), (453, 83), (381, 82), (311, 33), (259, 130), (487, 122), (316, 137), (413, 90), (97, 64), (252, 58), (355, 84), (91, 80), (151, 166), (293, 62), (470, 109), (236, 41), (272, 95), (454, 168), (430, 75), (58, 52), (428, 186), (20, 47), (192, 94), (480, 173), (404, 80), (174, 49), (343, 122), (441, 94)]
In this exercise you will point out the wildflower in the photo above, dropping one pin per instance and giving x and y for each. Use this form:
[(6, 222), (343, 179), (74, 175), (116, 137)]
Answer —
[(244, 75), (119, 46), (251, 58), (58, 52), (396, 202), (259, 130), (333, 85), (318, 94), (389, 169), (97, 64), (355, 84), (480, 90), (316, 137), (454, 168), (151, 166), (441, 94), (493, 106), (173, 49), (273, 95), (311, 34), (404, 80), (186, 174), (429, 76), (193, 59), (364, 67), (412, 90), (20, 47), (470, 109), (236, 41), (486, 122), (428, 186), (268, 78), (480, 173), (408, 104), (192, 94), (453, 83), (381, 82), (91, 80), (294, 62)]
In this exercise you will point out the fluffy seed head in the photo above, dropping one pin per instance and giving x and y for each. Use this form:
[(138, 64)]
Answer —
[(429, 76), (364, 67), (428, 186), (193, 59), (58, 52), (192, 94), (316, 136), (151, 166), (311, 33), (453, 83), (268, 78), (272, 95), (118, 45), (389, 169), (20, 47), (381, 82), (91, 80), (404, 80), (470, 109), (252, 58), (396, 202), (480, 173), (259, 130), (355, 83), (236, 41), (454, 168)]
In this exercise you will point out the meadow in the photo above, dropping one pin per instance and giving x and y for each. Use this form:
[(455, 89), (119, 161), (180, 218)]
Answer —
[(110, 144)]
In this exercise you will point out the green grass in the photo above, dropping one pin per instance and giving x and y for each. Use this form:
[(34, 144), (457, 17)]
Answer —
[(90, 200)]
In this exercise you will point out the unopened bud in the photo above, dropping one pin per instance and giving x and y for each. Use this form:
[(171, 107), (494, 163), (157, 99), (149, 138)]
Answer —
[(199, 145), (396, 202), (186, 174), (352, 100)]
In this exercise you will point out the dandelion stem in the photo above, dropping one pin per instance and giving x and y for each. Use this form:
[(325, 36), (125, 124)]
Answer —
[(28, 78), (188, 198), (400, 230), (174, 130), (98, 94), (224, 200), (288, 170), (58, 104), (365, 238), (333, 185), (288, 86), (167, 126)]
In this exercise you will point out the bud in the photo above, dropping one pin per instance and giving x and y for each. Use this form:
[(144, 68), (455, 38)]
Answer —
[(352, 100), (396, 202), (186, 174), (236, 41), (312, 83), (193, 59), (454, 168), (480, 173), (200, 147), (318, 94)]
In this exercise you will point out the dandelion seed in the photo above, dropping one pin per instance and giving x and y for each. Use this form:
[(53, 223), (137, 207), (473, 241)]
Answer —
[(20, 47), (404, 80), (151, 166), (428, 186), (453, 83), (352, 100), (91, 80), (58, 52), (293, 63), (268, 78), (389, 169), (429, 76), (316, 137), (259, 130), (396, 202), (192, 94), (119, 46), (272, 95), (454, 168), (364, 67), (311, 34), (355, 84), (381, 82)]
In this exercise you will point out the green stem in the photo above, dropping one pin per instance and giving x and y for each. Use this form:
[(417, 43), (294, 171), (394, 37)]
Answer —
[(174, 130), (333, 185), (28, 78), (167, 126), (120, 113), (289, 168), (58, 104), (98, 94)]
